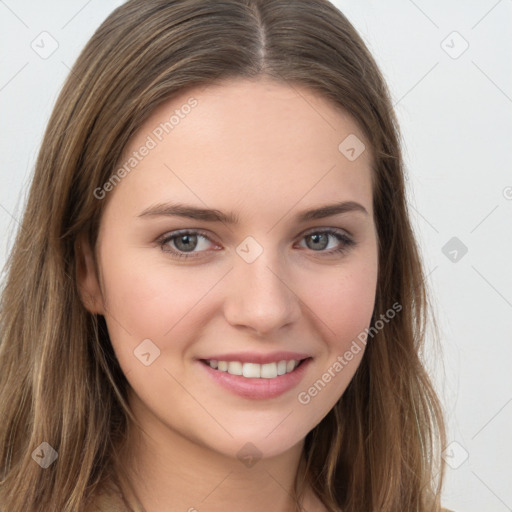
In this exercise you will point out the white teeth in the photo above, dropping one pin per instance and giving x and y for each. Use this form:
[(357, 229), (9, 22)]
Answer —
[(269, 370), (235, 368), (254, 370), (290, 365)]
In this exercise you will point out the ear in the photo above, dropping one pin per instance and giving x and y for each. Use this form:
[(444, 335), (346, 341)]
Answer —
[(87, 278)]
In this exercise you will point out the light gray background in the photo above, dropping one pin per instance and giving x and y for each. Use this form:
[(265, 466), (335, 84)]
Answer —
[(455, 110)]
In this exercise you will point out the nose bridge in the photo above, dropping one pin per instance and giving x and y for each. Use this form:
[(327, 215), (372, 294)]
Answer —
[(260, 296)]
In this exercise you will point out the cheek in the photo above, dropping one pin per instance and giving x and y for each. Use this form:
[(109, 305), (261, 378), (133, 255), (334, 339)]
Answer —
[(341, 299), (342, 304), (149, 298), (154, 302), (352, 301)]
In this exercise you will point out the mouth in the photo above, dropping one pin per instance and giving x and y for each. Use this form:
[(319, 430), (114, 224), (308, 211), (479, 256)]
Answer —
[(256, 381), (252, 370)]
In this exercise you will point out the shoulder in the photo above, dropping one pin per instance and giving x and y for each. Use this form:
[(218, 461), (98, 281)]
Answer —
[(107, 500), (106, 504)]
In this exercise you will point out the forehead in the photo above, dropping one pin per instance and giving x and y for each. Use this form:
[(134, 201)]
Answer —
[(242, 141)]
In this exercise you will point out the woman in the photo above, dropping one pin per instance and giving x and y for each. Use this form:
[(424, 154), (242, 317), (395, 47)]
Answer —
[(222, 297)]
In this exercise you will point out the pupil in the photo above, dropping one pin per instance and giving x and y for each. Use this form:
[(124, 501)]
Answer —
[(316, 239), (188, 244)]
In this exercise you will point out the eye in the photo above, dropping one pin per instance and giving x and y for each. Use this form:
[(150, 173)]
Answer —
[(188, 243), (318, 241), (185, 241)]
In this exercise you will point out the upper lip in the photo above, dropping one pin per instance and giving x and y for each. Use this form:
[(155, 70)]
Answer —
[(254, 357)]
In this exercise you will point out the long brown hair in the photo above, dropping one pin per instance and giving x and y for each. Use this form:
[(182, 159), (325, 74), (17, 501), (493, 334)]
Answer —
[(60, 382)]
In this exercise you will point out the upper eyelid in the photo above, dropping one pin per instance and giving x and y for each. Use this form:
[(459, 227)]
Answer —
[(169, 235), (326, 228)]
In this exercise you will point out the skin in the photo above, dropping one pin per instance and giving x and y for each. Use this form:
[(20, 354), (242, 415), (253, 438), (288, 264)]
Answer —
[(265, 151)]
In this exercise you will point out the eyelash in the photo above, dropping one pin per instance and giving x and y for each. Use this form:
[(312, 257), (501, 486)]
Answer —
[(347, 242)]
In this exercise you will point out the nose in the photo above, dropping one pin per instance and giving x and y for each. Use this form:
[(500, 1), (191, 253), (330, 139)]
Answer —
[(260, 296)]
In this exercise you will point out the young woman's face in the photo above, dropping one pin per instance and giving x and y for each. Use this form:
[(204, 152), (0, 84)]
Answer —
[(206, 253)]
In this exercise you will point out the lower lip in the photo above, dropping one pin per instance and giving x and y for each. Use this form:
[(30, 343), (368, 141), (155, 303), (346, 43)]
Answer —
[(257, 389)]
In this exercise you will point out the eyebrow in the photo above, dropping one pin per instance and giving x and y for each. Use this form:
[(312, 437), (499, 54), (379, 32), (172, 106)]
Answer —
[(213, 215)]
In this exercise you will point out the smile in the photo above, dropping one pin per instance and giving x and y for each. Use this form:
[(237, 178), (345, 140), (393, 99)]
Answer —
[(256, 381), (255, 370)]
